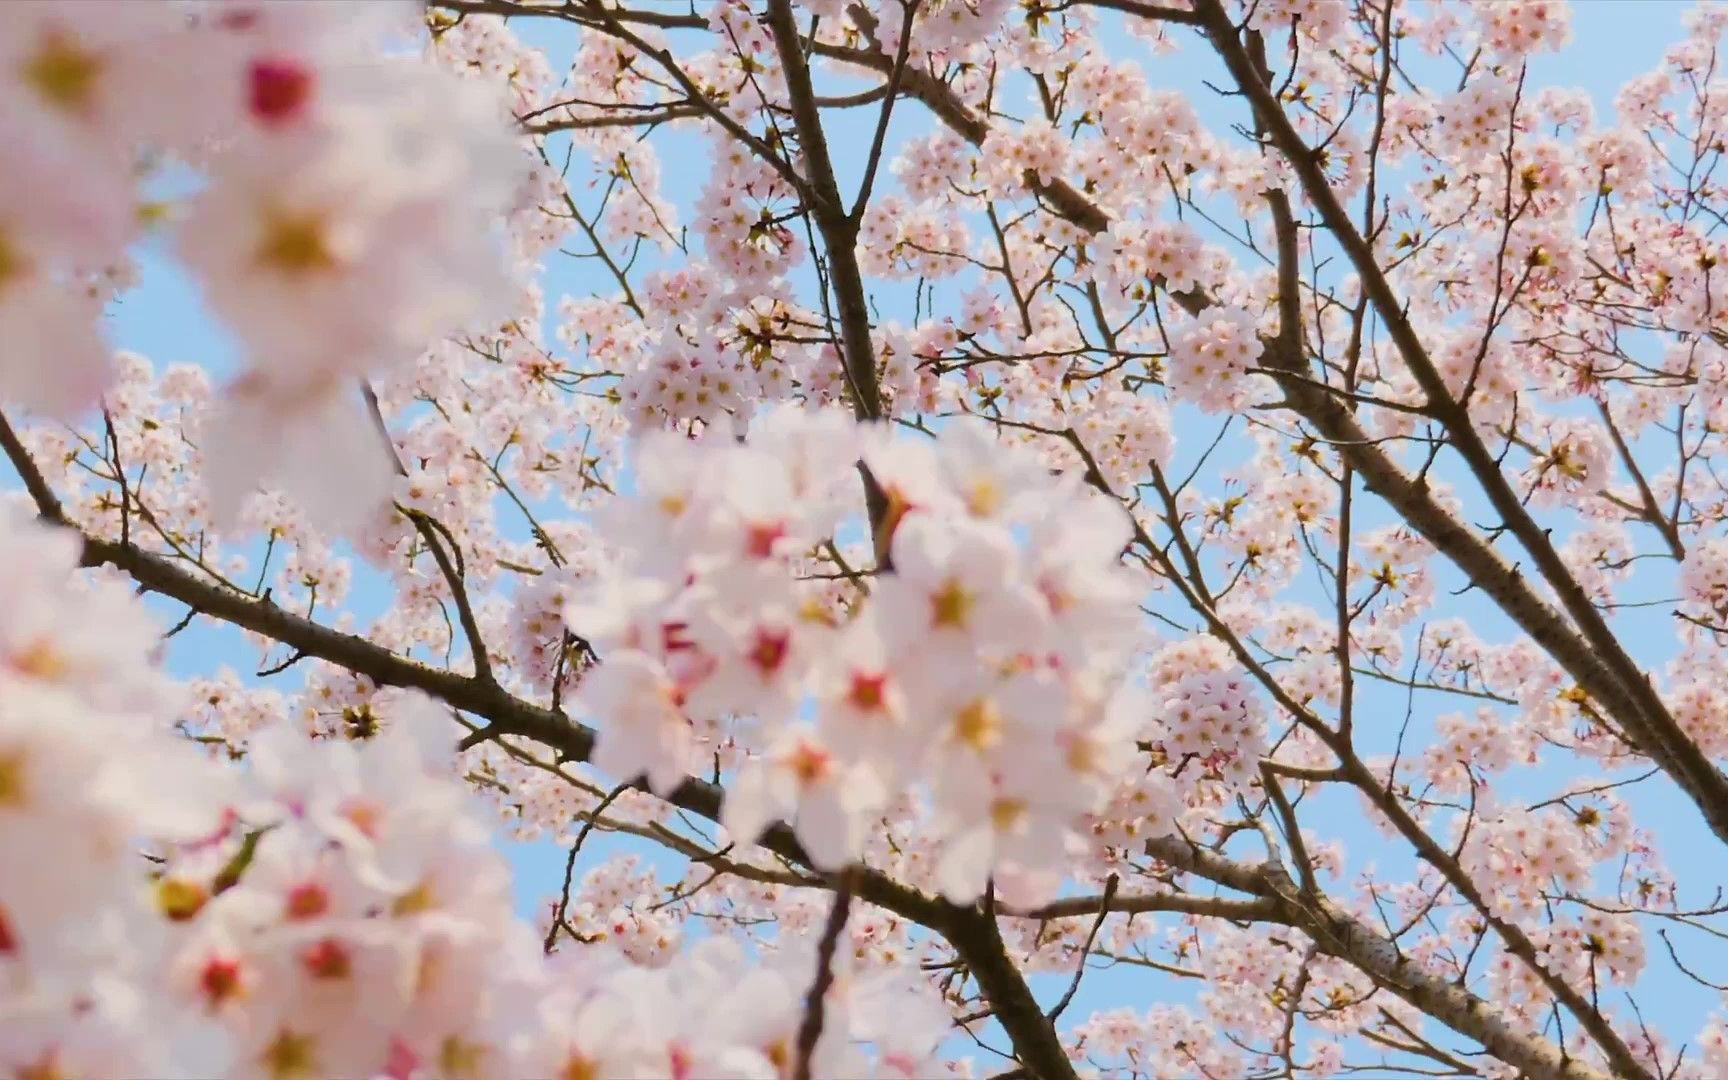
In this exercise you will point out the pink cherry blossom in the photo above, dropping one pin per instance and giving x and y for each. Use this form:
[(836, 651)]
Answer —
[(966, 538)]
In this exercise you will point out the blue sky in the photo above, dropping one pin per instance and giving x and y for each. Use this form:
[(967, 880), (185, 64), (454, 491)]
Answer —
[(1613, 40)]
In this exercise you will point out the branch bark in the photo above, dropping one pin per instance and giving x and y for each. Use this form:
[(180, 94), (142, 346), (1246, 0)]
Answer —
[(1593, 655), (1593, 658), (1339, 934), (838, 228), (973, 935)]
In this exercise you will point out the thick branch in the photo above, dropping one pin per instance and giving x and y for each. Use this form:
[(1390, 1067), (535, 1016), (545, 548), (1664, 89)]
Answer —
[(1582, 659), (972, 934), (978, 940), (838, 228), (1143, 10), (1342, 935), (1605, 671), (1215, 907), (1517, 942)]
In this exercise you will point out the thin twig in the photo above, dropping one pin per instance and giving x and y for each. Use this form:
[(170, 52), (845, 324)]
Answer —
[(1080, 968), (810, 1028), (563, 909)]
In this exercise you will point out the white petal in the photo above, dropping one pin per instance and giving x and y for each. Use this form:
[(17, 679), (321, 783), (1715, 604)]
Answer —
[(964, 869), (749, 805)]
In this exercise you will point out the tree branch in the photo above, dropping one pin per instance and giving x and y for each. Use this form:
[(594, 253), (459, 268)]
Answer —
[(1612, 675), (1339, 934)]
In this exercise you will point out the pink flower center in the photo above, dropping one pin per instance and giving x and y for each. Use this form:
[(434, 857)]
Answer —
[(220, 980), (760, 539), (869, 692), (810, 763), (279, 89), (307, 901), (769, 651), (328, 959)]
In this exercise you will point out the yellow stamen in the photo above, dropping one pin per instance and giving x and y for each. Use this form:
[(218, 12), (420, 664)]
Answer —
[(296, 244), (63, 74)]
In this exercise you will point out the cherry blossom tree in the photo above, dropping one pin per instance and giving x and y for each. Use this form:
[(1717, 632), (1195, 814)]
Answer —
[(985, 562)]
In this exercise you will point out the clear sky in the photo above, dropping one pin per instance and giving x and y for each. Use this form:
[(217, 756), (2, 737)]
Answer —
[(1614, 40)]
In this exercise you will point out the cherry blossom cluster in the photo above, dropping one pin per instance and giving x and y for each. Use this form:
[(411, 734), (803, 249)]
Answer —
[(936, 652), (990, 645), (1210, 357), (334, 908), (340, 217)]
